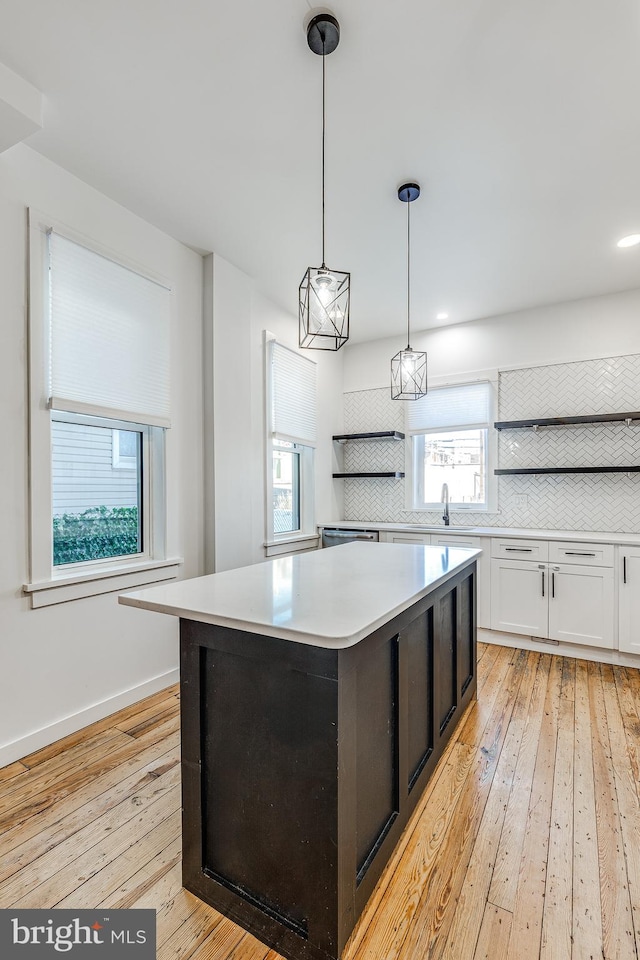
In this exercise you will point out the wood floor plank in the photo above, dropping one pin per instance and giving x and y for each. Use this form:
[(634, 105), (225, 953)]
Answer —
[(567, 691), (119, 870), (61, 746), (471, 907), (630, 719), (557, 921), (626, 794), (587, 907), (186, 939), (11, 771), (503, 890), (57, 769), (617, 919), (495, 935), (76, 860), (526, 928), (66, 816), (428, 935), (147, 877)]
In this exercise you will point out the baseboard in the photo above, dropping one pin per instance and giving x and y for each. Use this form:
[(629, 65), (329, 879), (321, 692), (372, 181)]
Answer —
[(22, 747), (575, 650)]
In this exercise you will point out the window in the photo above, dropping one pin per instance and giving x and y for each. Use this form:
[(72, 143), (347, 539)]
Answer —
[(291, 405), (97, 505), (450, 444), (99, 410), (125, 452)]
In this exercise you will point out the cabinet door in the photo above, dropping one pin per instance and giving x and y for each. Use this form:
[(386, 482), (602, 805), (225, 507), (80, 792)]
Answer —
[(581, 604), (519, 597), (630, 600)]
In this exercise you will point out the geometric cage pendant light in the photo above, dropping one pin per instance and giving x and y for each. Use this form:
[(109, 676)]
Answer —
[(324, 294), (408, 367)]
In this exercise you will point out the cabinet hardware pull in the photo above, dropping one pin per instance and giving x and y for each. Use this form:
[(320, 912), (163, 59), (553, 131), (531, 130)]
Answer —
[(543, 583), (577, 553), (553, 586), (624, 569), (518, 549)]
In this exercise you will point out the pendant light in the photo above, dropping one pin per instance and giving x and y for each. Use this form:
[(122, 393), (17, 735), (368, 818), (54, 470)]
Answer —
[(324, 294), (408, 367)]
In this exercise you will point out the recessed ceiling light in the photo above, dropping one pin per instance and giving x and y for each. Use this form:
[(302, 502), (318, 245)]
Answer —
[(445, 316), (629, 241)]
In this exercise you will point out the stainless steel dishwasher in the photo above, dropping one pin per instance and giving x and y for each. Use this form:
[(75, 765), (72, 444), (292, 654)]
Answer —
[(332, 536)]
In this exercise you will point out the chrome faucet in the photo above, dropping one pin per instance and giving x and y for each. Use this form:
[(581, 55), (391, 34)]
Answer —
[(445, 499)]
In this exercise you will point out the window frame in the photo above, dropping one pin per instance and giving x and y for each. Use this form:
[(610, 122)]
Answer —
[(121, 461), (48, 584), (307, 530), (413, 482)]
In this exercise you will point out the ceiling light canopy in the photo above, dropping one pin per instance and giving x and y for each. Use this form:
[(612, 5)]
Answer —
[(631, 241), (324, 294), (442, 316), (408, 367)]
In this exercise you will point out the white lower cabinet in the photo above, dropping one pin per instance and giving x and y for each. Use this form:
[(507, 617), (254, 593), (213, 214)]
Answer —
[(629, 600), (519, 601), (555, 601), (581, 605)]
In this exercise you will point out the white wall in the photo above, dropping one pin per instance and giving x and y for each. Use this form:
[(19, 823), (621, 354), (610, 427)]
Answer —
[(580, 330), (65, 665), (234, 357)]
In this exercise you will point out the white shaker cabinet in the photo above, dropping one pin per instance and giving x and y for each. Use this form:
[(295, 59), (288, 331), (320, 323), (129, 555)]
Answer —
[(519, 597), (581, 604), (629, 599), (571, 602)]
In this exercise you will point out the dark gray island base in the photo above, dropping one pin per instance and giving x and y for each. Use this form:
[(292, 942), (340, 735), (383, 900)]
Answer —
[(301, 765)]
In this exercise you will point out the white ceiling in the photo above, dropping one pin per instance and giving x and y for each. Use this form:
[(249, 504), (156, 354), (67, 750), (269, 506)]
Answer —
[(518, 117)]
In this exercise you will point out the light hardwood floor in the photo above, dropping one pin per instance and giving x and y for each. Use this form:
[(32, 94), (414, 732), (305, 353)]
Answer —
[(526, 843)]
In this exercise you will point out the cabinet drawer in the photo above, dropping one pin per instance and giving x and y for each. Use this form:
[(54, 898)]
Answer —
[(451, 540), (423, 538), (585, 554), (512, 549)]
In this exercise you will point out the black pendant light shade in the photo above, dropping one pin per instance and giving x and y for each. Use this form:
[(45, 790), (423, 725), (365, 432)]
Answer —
[(324, 294), (408, 367)]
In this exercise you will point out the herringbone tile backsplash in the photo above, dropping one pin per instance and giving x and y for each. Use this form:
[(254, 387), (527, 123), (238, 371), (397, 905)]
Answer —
[(607, 502)]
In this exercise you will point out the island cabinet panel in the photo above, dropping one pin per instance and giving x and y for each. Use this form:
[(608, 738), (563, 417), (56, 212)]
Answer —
[(418, 643), (302, 764), (377, 793), (447, 693)]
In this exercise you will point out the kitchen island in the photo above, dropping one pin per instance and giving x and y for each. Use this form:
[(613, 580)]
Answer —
[(317, 695)]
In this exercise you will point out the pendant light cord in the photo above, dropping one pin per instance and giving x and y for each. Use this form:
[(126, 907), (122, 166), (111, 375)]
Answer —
[(323, 139), (408, 273)]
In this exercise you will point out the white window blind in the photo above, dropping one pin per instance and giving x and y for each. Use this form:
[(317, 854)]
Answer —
[(109, 329), (293, 395), (467, 405)]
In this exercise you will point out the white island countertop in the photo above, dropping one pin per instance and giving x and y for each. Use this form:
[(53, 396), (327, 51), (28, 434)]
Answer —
[(327, 598)]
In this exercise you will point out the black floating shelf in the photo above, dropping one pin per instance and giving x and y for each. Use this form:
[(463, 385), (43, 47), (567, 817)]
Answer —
[(527, 470), (380, 435), (566, 421), (395, 476)]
